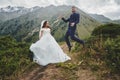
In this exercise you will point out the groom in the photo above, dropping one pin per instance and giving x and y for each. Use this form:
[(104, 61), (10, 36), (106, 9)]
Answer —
[(73, 21)]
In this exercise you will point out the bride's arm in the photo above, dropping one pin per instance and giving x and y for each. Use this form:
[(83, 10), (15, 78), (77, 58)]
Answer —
[(40, 34)]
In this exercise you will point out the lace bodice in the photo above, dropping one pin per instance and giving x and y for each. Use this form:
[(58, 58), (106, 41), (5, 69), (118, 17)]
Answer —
[(45, 31)]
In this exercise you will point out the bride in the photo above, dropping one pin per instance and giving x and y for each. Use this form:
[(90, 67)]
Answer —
[(46, 50)]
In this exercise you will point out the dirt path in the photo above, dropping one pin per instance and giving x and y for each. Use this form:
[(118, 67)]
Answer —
[(52, 72)]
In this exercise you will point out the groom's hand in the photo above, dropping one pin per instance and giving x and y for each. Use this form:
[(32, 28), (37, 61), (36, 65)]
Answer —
[(72, 24)]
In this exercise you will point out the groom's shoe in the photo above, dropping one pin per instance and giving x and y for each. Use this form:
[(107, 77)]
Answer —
[(83, 44)]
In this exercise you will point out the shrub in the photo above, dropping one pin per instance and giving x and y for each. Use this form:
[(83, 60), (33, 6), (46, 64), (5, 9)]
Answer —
[(112, 57), (107, 30), (14, 57)]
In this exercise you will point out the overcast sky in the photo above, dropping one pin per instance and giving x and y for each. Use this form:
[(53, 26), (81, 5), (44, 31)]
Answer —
[(109, 8)]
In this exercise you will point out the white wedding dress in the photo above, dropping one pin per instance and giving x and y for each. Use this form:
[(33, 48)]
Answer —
[(46, 50)]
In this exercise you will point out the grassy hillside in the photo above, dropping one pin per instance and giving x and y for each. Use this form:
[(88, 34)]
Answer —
[(100, 60)]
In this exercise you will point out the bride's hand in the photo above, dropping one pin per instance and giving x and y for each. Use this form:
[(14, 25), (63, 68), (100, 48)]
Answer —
[(60, 17)]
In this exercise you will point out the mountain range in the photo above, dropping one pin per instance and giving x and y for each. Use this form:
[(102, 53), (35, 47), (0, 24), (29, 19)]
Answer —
[(101, 18), (10, 12), (117, 21), (23, 23)]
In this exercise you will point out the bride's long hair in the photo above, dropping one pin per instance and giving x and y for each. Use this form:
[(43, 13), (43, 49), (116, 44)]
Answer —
[(44, 25)]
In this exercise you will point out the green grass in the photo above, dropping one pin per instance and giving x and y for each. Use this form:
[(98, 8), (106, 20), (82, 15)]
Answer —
[(14, 57)]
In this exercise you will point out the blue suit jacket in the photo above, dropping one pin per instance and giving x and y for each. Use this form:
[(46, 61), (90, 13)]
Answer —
[(73, 18)]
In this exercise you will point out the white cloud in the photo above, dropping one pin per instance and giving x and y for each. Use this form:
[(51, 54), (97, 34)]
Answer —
[(109, 8), (43, 3)]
